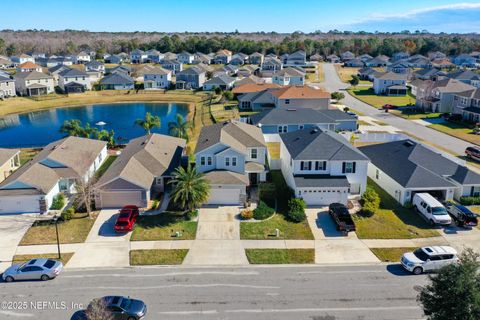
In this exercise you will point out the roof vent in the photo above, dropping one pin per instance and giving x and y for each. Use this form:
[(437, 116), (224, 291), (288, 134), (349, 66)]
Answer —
[(408, 143), (314, 131), (291, 109)]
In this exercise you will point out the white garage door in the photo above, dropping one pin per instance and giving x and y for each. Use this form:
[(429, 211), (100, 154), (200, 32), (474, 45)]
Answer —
[(19, 205), (119, 199), (321, 198), (224, 196)]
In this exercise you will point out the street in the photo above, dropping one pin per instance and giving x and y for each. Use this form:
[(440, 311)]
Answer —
[(254, 292), (333, 83)]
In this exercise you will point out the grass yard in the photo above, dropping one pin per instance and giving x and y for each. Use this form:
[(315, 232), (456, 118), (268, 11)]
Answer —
[(457, 130), (410, 115), (225, 111), (157, 257), (265, 230), (163, 227), (345, 74), (280, 256), (72, 231), (274, 150), (105, 165), (315, 75), (27, 154), (392, 221), (368, 96), (21, 258), (390, 254)]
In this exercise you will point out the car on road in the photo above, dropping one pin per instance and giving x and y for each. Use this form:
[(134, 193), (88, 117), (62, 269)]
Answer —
[(35, 269), (431, 209), (428, 259), (462, 216), (473, 153), (126, 218), (341, 217), (119, 307)]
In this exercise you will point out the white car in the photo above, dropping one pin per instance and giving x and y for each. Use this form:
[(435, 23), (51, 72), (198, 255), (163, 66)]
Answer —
[(429, 259), (431, 209)]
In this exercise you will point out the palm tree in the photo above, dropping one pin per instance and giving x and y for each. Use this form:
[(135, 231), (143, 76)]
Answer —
[(149, 122), (179, 128), (190, 188)]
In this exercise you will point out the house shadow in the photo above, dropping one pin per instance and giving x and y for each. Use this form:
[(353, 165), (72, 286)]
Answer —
[(325, 222)]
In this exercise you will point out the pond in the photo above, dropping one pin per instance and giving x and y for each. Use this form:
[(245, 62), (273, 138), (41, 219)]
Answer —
[(38, 128)]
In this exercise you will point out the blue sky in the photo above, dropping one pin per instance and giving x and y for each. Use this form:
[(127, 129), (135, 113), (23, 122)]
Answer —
[(245, 15)]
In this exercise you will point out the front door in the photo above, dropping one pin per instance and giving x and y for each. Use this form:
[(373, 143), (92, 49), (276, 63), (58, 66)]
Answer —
[(253, 177)]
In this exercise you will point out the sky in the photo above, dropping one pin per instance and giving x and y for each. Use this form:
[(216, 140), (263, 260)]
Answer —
[(244, 16)]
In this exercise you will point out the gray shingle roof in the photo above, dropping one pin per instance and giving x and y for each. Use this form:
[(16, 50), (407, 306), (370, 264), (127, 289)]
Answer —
[(117, 78), (70, 72), (413, 165), (224, 177), (320, 181), (220, 80), (312, 144), (299, 116)]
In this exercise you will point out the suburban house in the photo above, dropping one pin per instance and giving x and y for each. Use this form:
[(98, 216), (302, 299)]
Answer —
[(223, 82), (153, 56), (379, 61), (247, 70), (141, 172), (301, 97), (199, 57), (346, 56), (82, 57), (277, 120), (22, 59), (400, 67), (390, 84), (232, 156), (138, 56), (436, 55), (239, 59), (33, 83), (419, 61), (333, 58), (56, 169), (368, 73), (466, 76), (9, 162), (403, 168), (289, 76), (172, 65), (6, 63), (354, 63), (429, 74), (157, 78), (28, 67), (322, 167), (7, 87), (114, 58), (465, 61), (222, 57), (256, 58), (397, 56), (365, 57), (191, 78), (252, 79), (298, 58), (467, 104), (315, 58), (185, 57), (271, 64), (117, 81), (94, 65), (438, 97), (253, 88), (74, 80)]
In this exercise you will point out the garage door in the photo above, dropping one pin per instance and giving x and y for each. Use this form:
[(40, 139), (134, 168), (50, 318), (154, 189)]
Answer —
[(224, 196), (119, 199), (19, 205), (321, 198)]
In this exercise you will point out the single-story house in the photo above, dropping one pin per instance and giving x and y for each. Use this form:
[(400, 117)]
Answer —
[(223, 82), (117, 81)]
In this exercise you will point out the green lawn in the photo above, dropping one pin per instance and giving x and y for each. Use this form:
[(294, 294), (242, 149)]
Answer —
[(368, 96), (28, 154), (72, 231), (265, 230), (163, 227), (390, 254), (392, 221), (21, 258), (280, 256), (413, 115), (457, 130), (157, 257), (105, 165)]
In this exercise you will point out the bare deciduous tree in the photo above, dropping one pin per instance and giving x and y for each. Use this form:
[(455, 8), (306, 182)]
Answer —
[(85, 192), (97, 310)]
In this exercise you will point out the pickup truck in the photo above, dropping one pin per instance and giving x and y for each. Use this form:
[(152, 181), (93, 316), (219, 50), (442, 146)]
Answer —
[(341, 217)]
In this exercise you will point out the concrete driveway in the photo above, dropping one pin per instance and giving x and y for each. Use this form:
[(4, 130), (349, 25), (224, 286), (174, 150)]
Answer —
[(322, 225), (102, 230), (12, 229)]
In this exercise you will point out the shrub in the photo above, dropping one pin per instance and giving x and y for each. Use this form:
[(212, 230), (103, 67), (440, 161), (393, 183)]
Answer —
[(246, 214), (58, 202), (296, 210), (470, 201), (371, 202), (267, 190), (68, 214), (190, 215), (262, 211)]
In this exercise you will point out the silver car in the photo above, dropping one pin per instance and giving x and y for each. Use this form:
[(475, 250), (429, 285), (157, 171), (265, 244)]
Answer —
[(35, 269)]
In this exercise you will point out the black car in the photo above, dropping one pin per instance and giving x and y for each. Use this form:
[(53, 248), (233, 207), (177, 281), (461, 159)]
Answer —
[(341, 217), (120, 308), (462, 215)]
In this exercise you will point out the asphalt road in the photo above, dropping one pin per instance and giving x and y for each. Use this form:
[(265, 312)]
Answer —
[(333, 83), (280, 292)]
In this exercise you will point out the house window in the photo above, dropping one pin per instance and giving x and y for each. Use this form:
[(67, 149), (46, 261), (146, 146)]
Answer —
[(305, 165), (287, 101), (234, 161), (253, 154), (348, 167), (320, 165), (159, 180), (377, 174), (227, 162), (282, 129), (301, 126), (202, 161), (209, 161)]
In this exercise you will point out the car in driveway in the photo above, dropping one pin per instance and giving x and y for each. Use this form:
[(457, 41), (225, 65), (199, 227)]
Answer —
[(341, 217), (126, 219), (35, 269), (120, 308), (462, 216), (431, 209), (427, 259)]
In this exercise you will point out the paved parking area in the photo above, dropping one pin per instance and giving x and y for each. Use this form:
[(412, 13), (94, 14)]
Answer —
[(12, 229), (343, 251), (323, 226)]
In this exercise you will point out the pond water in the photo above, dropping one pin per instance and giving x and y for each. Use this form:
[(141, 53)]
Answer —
[(38, 128)]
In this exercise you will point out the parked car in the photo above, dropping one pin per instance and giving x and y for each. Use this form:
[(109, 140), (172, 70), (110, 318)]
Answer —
[(431, 209), (35, 269), (122, 308), (126, 218), (473, 153), (429, 259), (462, 215), (389, 107), (454, 117), (341, 217)]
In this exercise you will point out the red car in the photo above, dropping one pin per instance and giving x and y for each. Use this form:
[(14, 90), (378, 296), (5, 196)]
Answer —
[(389, 107), (126, 219)]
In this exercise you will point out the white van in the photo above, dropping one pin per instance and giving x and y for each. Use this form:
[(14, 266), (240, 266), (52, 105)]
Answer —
[(431, 209)]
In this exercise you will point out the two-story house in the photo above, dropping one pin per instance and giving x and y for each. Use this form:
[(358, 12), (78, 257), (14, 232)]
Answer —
[(185, 57), (438, 97), (117, 81), (74, 80), (346, 56), (298, 58), (465, 61), (256, 58), (82, 57), (232, 156), (157, 78), (222, 57), (28, 67), (271, 64), (9, 162), (322, 167), (172, 65), (95, 65), (397, 56), (22, 59), (301, 97), (467, 104), (33, 83), (289, 76), (7, 87), (466, 76), (154, 56), (390, 84), (138, 56), (191, 78)]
